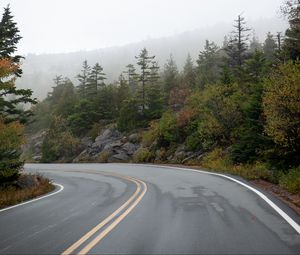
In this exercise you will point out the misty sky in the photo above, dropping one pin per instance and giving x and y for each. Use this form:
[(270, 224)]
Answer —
[(50, 26)]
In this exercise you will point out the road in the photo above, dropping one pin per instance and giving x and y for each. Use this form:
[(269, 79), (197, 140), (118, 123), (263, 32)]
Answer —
[(139, 209)]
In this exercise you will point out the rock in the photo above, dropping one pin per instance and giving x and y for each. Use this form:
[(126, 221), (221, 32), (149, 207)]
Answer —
[(32, 150), (37, 158), (108, 134), (130, 148), (133, 138), (82, 157), (124, 139), (86, 141), (27, 181), (106, 140), (120, 157), (113, 145)]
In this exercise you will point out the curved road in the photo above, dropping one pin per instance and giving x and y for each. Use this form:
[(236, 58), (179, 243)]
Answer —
[(138, 209)]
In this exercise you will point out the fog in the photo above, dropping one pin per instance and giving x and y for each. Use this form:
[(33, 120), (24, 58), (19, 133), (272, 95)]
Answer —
[(55, 26), (58, 35)]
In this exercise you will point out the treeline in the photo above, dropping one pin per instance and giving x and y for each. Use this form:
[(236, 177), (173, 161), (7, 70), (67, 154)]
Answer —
[(238, 104)]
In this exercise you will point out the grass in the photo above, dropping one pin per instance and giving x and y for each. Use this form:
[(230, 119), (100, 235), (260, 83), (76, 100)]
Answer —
[(12, 194)]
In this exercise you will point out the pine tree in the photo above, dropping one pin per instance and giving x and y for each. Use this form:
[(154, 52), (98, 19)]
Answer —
[(123, 92), (170, 76), (83, 79), (9, 38), (189, 73), (95, 81), (144, 62), (256, 67), (270, 48), (208, 65), (132, 77), (291, 46), (154, 98), (11, 98), (238, 45), (255, 45)]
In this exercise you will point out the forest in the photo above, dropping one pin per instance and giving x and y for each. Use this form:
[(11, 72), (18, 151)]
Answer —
[(235, 109)]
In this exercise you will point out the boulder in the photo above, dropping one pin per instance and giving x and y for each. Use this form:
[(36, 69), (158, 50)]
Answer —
[(130, 148), (120, 157), (133, 138)]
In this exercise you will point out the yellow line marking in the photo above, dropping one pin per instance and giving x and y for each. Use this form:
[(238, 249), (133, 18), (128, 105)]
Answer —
[(108, 219), (97, 239)]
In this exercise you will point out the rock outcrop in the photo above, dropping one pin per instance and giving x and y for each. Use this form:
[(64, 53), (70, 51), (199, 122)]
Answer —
[(110, 146)]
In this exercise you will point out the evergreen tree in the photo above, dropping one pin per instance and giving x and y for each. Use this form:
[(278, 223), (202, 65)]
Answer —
[(154, 100), (170, 76), (132, 77), (9, 38), (292, 36), (238, 45), (11, 100), (67, 100), (144, 62), (95, 81), (256, 67), (123, 92), (83, 79), (189, 73), (208, 65), (270, 48), (255, 45), (106, 104)]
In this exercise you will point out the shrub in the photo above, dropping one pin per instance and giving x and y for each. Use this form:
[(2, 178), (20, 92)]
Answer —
[(219, 160), (142, 155), (149, 137), (11, 138), (194, 142), (95, 131), (281, 105), (291, 180), (29, 186), (168, 131), (104, 156), (59, 143)]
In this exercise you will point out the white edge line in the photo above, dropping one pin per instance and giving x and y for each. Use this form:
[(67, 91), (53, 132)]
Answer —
[(61, 188), (287, 218)]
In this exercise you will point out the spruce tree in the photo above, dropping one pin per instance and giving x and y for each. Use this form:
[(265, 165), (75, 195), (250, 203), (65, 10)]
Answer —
[(95, 81), (11, 98), (238, 45), (170, 76), (255, 45), (83, 79), (132, 77), (270, 48), (144, 62), (291, 46), (9, 38), (153, 93), (208, 65), (189, 73), (11, 101)]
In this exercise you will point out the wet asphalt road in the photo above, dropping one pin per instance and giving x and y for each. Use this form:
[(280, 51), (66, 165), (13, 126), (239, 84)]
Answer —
[(172, 212)]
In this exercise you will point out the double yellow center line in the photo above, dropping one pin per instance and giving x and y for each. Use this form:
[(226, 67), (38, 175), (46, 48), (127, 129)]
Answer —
[(113, 219)]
